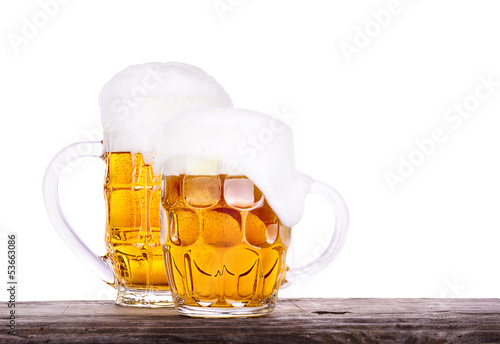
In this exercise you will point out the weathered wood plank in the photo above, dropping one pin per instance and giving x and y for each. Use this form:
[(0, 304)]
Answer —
[(293, 321)]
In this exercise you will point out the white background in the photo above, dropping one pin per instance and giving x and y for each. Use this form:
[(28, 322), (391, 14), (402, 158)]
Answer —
[(435, 235)]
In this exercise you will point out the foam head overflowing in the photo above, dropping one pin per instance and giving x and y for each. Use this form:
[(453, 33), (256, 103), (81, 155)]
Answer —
[(237, 142), (138, 100)]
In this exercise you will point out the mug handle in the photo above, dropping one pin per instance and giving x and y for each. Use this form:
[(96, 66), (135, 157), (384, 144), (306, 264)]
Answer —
[(339, 234), (96, 263)]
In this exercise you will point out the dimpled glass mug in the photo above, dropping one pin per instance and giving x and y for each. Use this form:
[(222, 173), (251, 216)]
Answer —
[(134, 105), (230, 194)]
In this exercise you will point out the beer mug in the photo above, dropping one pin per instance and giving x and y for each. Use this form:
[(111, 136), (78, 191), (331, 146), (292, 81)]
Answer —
[(230, 194), (134, 105)]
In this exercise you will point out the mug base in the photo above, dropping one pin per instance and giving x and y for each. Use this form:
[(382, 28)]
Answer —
[(142, 298), (232, 312)]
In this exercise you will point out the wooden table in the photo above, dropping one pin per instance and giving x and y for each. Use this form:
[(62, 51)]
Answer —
[(293, 321)]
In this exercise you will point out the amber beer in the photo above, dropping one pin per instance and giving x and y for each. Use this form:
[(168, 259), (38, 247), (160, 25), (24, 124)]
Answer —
[(224, 246), (132, 192)]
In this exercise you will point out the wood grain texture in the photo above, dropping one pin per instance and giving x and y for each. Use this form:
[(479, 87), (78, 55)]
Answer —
[(293, 321)]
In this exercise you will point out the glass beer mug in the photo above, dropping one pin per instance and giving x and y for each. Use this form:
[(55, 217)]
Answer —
[(230, 194), (134, 105)]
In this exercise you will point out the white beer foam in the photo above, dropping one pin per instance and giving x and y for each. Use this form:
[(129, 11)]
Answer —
[(138, 100), (241, 142)]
